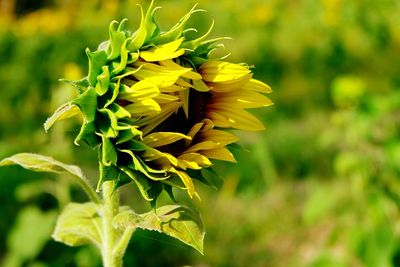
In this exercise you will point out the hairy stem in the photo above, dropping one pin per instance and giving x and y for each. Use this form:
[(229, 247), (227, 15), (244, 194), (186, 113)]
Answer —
[(109, 210), (85, 185), (123, 242)]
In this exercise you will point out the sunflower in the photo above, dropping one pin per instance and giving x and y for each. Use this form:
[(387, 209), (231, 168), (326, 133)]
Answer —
[(158, 106)]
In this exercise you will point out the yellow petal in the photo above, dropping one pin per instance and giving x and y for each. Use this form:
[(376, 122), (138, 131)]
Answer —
[(170, 64), (231, 85), (200, 86), (152, 122), (183, 83), (187, 181), (195, 129), (208, 124), (235, 118), (197, 158), (164, 98), (221, 71), (258, 86), (165, 159), (173, 88), (163, 52), (220, 154), (184, 99), (241, 99), (218, 136), (158, 139), (158, 75), (206, 145), (144, 107), (139, 91)]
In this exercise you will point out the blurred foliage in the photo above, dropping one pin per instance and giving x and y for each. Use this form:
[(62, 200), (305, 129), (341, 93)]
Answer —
[(319, 188)]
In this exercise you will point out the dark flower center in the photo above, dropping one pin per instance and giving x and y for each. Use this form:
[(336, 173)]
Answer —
[(179, 123)]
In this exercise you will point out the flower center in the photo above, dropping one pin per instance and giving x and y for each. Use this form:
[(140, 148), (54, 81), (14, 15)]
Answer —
[(179, 123)]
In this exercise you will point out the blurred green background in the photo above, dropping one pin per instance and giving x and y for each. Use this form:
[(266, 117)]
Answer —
[(319, 188)]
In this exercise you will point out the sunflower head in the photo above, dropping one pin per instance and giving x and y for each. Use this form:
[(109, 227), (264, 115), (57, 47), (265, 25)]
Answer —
[(158, 106)]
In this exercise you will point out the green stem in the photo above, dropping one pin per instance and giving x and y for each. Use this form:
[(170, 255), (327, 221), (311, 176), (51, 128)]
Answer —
[(123, 242), (109, 210), (83, 182)]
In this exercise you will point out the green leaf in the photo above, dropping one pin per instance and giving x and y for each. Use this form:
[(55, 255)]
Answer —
[(180, 222), (40, 163), (65, 111), (78, 224)]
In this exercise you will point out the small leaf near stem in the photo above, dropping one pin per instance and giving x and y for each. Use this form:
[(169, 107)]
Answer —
[(78, 224)]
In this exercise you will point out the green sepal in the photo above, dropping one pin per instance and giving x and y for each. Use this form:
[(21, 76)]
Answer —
[(110, 96), (124, 58), (198, 61), (97, 60), (117, 38), (213, 177), (122, 179), (155, 191), (152, 28), (175, 181), (81, 84), (87, 103), (139, 36), (132, 57), (103, 81), (107, 123), (140, 180), (138, 165), (122, 27), (65, 111), (135, 145), (107, 173), (119, 111), (109, 155), (193, 44), (197, 174), (204, 48), (87, 134), (176, 31), (128, 134)]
